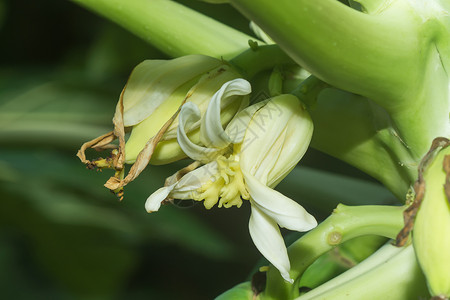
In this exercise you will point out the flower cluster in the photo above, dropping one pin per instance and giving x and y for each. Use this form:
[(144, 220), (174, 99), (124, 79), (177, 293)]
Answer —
[(198, 106), (244, 161), (148, 108)]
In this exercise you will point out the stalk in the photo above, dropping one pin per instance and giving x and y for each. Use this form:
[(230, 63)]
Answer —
[(390, 273), (396, 54), (431, 233), (171, 27), (365, 53), (372, 145), (261, 58), (345, 223)]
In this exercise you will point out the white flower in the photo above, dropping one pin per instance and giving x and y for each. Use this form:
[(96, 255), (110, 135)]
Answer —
[(155, 91), (259, 147)]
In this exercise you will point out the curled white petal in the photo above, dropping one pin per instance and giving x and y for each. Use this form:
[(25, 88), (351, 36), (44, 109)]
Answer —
[(211, 131), (267, 238), (183, 188), (189, 114), (192, 181), (153, 202), (284, 211)]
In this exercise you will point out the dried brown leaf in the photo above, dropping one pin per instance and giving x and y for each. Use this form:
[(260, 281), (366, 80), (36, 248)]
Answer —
[(99, 143), (119, 132), (116, 182), (447, 177), (410, 213), (144, 156)]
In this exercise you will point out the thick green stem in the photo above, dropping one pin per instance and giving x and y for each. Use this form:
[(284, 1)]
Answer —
[(308, 91), (359, 132), (395, 56), (171, 27), (390, 273), (351, 50), (261, 58), (345, 223)]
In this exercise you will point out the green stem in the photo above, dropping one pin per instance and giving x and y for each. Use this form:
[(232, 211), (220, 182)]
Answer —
[(171, 27), (390, 273), (395, 56), (308, 91), (261, 58), (361, 134), (345, 49), (345, 223)]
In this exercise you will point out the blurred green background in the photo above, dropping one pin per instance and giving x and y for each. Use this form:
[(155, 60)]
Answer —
[(62, 234)]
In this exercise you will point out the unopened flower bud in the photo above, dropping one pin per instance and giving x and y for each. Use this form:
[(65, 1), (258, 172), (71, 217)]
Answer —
[(277, 137), (431, 233), (155, 91), (148, 107)]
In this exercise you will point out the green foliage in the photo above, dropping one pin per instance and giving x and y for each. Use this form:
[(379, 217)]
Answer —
[(64, 236), (339, 260)]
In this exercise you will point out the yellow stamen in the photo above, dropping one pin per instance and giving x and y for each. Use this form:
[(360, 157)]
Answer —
[(228, 185), (209, 192)]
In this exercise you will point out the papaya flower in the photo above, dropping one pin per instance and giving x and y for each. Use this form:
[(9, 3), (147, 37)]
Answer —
[(243, 162), (155, 91), (431, 229), (148, 108)]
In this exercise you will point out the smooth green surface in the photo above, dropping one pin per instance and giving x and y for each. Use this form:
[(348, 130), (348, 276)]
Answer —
[(345, 223), (390, 273), (171, 27), (396, 56), (432, 227), (64, 236)]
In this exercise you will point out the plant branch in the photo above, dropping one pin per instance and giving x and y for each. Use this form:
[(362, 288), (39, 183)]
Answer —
[(358, 131), (261, 58), (345, 223), (171, 27), (351, 50)]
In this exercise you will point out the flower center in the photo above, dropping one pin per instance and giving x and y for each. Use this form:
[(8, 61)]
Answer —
[(227, 188)]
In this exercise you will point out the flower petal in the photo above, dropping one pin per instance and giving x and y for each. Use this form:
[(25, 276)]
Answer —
[(189, 114), (211, 131), (276, 139), (144, 91), (188, 185), (183, 188), (286, 212), (267, 238), (238, 126), (153, 202)]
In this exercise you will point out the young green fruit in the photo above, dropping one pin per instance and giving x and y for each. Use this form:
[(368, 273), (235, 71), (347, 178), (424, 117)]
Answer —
[(431, 233)]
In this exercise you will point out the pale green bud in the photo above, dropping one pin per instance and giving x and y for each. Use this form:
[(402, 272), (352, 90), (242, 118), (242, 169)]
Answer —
[(277, 137), (431, 233), (155, 91)]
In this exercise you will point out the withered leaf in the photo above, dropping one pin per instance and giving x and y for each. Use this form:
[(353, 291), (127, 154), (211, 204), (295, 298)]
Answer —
[(419, 187)]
